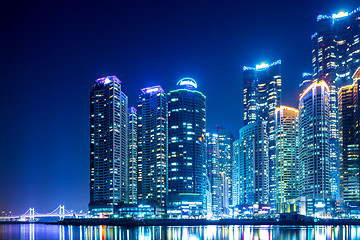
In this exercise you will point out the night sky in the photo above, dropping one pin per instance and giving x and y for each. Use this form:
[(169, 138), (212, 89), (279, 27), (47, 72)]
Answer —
[(52, 52)]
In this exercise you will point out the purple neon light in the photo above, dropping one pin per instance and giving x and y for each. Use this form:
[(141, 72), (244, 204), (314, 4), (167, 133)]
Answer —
[(132, 110), (108, 79), (153, 89)]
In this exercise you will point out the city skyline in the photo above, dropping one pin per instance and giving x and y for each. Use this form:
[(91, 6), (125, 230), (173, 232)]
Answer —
[(45, 131)]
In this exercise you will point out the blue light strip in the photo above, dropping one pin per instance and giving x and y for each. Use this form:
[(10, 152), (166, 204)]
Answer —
[(314, 35), (278, 62), (305, 74), (337, 16)]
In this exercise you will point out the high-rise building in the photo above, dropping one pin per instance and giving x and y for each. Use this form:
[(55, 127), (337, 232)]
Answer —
[(336, 48), (253, 166), (132, 165), (336, 56), (314, 149), (213, 171), (187, 149), (235, 173), (286, 158), (152, 146), (262, 94), (226, 140), (349, 125), (208, 196), (108, 145)]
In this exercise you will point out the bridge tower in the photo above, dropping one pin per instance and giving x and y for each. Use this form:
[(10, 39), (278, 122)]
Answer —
[(62, 211), (32, 213)]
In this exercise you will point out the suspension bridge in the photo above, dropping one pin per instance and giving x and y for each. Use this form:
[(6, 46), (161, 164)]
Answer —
[(30, 215)]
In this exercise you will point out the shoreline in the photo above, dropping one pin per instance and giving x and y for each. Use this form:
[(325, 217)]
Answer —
[(203, 222), (191, 222)]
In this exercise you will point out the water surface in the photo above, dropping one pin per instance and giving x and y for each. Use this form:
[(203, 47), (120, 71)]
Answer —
[(43, 231)]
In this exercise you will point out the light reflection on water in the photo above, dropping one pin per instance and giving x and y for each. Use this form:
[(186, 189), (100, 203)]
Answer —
[(42, 231)]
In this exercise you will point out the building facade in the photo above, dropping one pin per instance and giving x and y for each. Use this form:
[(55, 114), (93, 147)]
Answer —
[(213, 171), (349, 123), (226, 140), (108, 145), (336, 48), (132, 165), (314, 149), (235, 174), (336, 56), (253, 166), (287, 161), (187, 149), (152, 146), (262, 94)]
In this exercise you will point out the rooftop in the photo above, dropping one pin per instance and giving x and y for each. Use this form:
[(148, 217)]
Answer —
[(187, 83), (262, 66), (337, 16), (108, 79), (154, 89)]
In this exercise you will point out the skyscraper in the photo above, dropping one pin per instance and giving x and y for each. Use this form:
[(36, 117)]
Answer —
[(132, 172), (187, 160), (108, 145), (286, 158), (262, 94), (226, 140), (349, 123), (253, 166), (236, 173), (314, 148), (336, 48), (152, 147), (336, 56), (213, 171)]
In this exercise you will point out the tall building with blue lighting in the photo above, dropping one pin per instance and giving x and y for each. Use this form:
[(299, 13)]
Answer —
[(262, 94), (235, 173), (314, 150), (226, 140), (152, 146), (349, 126), (108, 145), (187, 160), (132, 164), (336, 48), (336, 56), (252, 166), (213, 171)]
